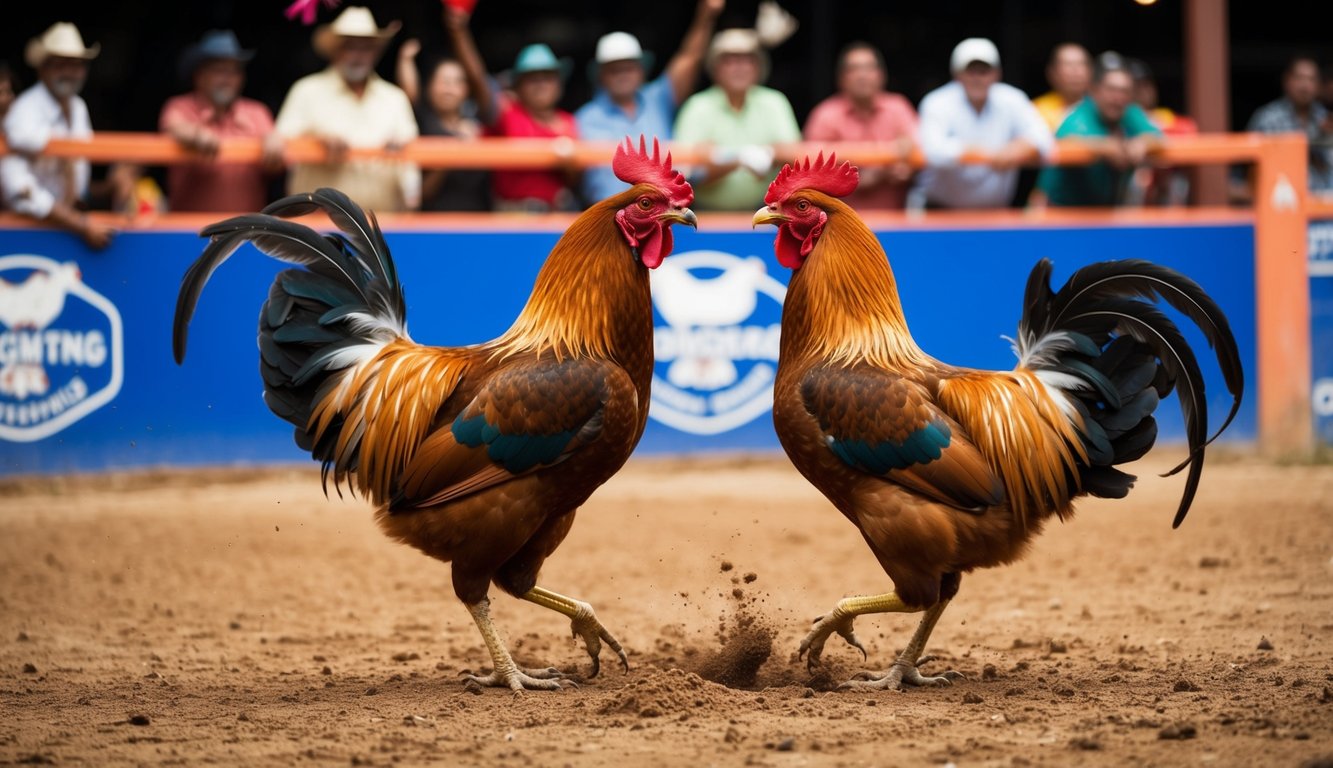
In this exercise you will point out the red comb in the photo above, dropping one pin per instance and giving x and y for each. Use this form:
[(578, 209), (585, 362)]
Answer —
[(822, 176), (636, 167)]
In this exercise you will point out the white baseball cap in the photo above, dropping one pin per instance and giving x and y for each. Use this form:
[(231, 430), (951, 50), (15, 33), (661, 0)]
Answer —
[(618, 46), (973, 49)]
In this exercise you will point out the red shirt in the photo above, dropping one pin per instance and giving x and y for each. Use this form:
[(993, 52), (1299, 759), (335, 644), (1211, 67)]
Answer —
[(207, 185), (891, 118), (514, 121)]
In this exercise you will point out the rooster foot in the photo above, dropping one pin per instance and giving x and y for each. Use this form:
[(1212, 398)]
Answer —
[(518, 679), (898, 677), (584, 624), (835, 622)]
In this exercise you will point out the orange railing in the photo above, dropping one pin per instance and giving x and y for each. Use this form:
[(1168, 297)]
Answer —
[(1281, 214)]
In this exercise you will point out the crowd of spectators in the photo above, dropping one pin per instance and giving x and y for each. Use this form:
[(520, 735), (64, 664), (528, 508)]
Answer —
[(976, 133)]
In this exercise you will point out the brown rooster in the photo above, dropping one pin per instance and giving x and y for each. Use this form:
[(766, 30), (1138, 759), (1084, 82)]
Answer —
[(947, 469), (476, 455)]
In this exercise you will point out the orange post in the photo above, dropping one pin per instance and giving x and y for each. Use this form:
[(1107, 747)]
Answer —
[(1282, 296)]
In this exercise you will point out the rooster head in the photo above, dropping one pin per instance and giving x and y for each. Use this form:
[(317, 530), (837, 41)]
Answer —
[(662, 198), (797, 214)]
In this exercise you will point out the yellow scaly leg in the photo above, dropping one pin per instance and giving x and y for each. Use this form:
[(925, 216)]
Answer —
[(583, 624)]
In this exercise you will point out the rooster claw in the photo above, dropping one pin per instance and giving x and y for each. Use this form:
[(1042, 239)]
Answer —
[(835, 622), (586, 626)]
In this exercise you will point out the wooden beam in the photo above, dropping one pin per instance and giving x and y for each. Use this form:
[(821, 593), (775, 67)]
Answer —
[(1207, 86)]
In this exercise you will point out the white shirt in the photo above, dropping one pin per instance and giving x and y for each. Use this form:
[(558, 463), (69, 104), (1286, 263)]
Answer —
[(950, 125), (32, 184), (323, 105)]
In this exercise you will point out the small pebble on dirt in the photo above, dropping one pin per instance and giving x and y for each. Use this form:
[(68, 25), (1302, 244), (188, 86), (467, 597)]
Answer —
[(1086, 744), (971, 698), (750, 578), (989, 672), (29, 669), (406, 656), (1183, 685), (1211, 562), (23, 637), (786, 745), (139, 720), (1059, 646), (726, 566), (1265, 644), (1178, 732), (371, 691), (326, 671)]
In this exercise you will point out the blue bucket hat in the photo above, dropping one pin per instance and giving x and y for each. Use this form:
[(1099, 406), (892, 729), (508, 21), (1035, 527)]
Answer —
[(539, 57), (215, 44)]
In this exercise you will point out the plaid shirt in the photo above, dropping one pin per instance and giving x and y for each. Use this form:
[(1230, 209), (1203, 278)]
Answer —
[(1280, 117)]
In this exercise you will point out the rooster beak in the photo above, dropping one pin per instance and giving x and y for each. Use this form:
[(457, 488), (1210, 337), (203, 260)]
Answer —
[(767, 215), (681, 216)]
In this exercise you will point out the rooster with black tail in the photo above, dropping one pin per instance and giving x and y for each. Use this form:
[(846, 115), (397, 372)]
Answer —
[(477, 455), (946, 469)]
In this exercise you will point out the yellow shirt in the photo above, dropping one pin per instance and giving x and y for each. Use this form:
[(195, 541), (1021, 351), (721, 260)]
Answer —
[(322, 105), (1052, 108)]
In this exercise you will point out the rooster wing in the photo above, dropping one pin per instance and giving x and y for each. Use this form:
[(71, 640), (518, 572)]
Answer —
[(880, 423), (527, 416)]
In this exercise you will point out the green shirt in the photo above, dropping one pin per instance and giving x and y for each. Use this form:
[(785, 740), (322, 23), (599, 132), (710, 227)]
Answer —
[(1098, 183), (707, 118)]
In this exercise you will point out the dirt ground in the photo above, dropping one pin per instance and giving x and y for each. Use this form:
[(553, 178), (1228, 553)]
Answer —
[(238, 617)]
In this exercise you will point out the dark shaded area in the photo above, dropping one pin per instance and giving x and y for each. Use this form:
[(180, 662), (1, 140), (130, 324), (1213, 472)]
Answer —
[(141, 41)]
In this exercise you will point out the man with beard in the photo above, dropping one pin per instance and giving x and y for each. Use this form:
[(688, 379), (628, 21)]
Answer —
[(50, 189), (214, 110), (349, 106)]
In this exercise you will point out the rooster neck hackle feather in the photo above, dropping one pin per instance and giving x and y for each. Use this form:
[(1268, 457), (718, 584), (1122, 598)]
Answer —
[(849, 299), (591, 298)]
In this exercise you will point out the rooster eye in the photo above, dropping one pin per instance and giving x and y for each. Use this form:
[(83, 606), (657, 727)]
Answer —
[(645, 203), (802, 205)]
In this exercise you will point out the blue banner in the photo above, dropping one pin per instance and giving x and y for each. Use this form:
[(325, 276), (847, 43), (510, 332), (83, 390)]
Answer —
[(1321, 328), (87, 380)]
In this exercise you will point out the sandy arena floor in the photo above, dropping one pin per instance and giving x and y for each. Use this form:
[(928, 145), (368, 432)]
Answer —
[(237, 617)]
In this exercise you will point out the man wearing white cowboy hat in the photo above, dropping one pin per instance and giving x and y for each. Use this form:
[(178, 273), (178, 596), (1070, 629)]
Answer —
[(743, 122), (530, 110), (213, 110), (48, 188), (349, 105), (625, 106)]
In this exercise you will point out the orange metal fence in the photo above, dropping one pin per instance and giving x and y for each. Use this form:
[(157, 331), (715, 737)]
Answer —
[(1281, 214)]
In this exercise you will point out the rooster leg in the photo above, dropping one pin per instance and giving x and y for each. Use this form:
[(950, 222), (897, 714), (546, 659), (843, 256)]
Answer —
[(904, 671), (840, 620), (583, 623), (507, 674)]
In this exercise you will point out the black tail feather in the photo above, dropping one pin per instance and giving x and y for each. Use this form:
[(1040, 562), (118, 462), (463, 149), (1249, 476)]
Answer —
[(1141, 357), (346, 296)]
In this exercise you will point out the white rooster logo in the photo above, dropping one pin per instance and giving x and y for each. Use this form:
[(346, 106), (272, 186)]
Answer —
[(718, 350), (32, 305), (686, 301)]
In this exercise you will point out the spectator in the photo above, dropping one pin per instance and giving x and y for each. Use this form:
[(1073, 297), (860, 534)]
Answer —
[(347, 106), (444, 109), (1299, 112), (1160, 186), (625, 106), (200, 119), (739, 121), (50, 189), (977, 114), (9, 88), (863, 110), (1114, 128), (1069, 72), (530, 111)]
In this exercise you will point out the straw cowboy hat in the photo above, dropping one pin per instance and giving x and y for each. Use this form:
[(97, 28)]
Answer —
[(61, 39), (354, 21)]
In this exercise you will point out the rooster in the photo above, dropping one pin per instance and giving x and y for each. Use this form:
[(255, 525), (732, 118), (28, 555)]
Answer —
[(478, 455), (947, 469)]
